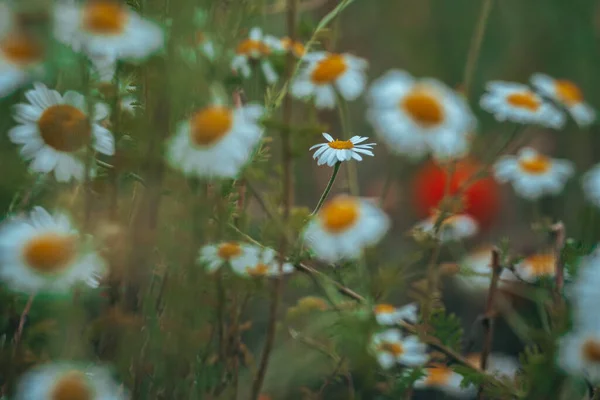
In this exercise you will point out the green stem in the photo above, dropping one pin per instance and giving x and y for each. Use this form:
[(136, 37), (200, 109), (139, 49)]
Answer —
[(336, 168)]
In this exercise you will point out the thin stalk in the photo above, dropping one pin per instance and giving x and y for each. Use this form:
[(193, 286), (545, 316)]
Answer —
[(475, 47), (336, 169), (89, 153)]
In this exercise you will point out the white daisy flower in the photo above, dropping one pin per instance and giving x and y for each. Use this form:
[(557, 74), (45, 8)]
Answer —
[(344, 227), (263, 262), (217, 141), (391, 348), (532, 174), (499, 365), (454, 227), (106, 28), (584, 293), (297, 48), (387, 314), (476, 271), (518, 103), (335, 151), (326, 74), (62, 381), (591, 185), (568, 94), (103, 67), (443, 378), (536, 266), (54, 131), (45, 252), (579, 354), (255, 50), (416, 116), (237, 255)]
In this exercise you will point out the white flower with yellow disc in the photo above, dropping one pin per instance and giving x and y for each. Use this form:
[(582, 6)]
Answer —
[(387, 314), (45, 253), (536, 266), (443, 378), (326, 75), (216, 141), (262, 262), (252, 51), (475, 271), (579, 354), (391, 348), (532, 174), (54, 131), (237, 255), (335, 151), (451, 228), (344, 227)]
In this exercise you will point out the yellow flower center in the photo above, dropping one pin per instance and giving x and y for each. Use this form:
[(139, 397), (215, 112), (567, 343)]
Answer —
[(536, 165), (210, 125), (329, 69), (104, 17), (423, 107), (339, 214), (229, 250), (296, 48), (591, 350), (64, 128), (568, 92), (394, 349), (259, 269), (49, 253), (341, 144), (541, 264), (21, 48), (249, 46), (437, 376), (527, 100), (72, 386), (384, 309)]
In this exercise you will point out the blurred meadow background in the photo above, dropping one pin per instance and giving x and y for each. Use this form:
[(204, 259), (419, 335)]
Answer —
[(166, 328)]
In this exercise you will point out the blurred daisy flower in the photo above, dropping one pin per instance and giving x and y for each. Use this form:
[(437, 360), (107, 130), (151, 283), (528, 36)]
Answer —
[(216, 141), (475, 271), (387, 314), (62, 381), (584, 294), (536, 266), (591, 185), (264, 262), (417, 116), (498, 364), (44, 252), (235, 254), (532, 174), (253, 50), (106, 28), (391, 348), (579, 354), (454, 227), (344, 227), (297, 48), (54, 131), (327, 74), (518, 103), (335, 151), (568, 95), (443, 378)]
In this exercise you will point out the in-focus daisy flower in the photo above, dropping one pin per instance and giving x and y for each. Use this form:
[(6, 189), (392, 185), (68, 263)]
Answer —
[(568, 94), (335, 151), (264, 262), (344, 227), (387, 314), (255, 50), (106, 28), (327, 74), (532, 174), (216, 141), (579, 354), (237, 255), (391, 348), (443, 378), (591, 185), (536, 266), (54, 131), (454, 227), (416, 116), (44, 252), (65, 381), (518, 103), (476, 272)]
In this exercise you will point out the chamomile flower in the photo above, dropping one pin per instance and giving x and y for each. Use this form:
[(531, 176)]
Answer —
[(297, 48), (255, 50), (568, 94), (417, 116), (344, 227), (106, 28), (391, 348), (498, 364), (54, 131), (66, 381), (237, 255), (476, 272), (518, 103), (532, 174), (216, 141), (327, 74), (443, 378), (536, 266), (264, 262), (591, 185), (387, 314), (454, 227), (335, 151), (579, 354), (45, 253)]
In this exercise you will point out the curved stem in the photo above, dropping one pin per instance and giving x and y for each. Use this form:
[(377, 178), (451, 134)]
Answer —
[(336, 169), (476, 41)]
